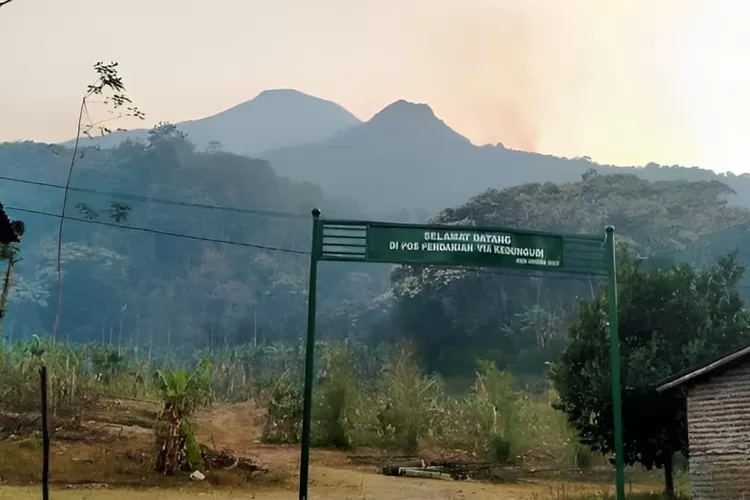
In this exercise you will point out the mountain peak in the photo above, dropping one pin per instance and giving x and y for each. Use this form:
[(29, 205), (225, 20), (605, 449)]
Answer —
[(281, 94), (405, 111)]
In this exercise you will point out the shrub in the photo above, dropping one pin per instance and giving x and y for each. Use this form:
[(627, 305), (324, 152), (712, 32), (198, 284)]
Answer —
[(70, 391), (410, 403), (499, 448), (181, 393), (283, 401), (336, 397)]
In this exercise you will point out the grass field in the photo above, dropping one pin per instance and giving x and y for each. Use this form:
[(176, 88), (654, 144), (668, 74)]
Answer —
[(108, 460), (105, 430)]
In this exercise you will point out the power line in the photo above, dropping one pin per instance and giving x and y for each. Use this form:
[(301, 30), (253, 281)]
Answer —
[(164, 233), (483, 271), (268, 213), (592, 278)]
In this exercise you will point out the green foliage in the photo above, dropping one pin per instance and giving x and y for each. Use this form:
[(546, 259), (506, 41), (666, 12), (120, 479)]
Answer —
[(337, 395), (179, 292), (193, 455), (106, 362), (406, 409), (183, 391), (670, 319), (364, 398), (582, 456), (500, 448), (181, 394), (71, 389), (9, 253), (454, 316), (409, 403), (283, 401)]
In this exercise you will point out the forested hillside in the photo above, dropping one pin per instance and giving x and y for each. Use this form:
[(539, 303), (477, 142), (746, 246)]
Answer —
[(165, 283), (520, 320), (188, 291), (405, 157), (403, 164)]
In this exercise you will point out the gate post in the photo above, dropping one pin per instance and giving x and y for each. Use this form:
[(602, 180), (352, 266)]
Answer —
[(315, 252), (614, 352)]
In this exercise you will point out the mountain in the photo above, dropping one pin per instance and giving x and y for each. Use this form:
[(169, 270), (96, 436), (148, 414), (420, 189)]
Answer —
[(273, 119), (404, 164), (398, 159), (405, 157)]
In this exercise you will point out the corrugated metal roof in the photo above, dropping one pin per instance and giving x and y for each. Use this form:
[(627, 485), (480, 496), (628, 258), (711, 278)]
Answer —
[(693, 375)]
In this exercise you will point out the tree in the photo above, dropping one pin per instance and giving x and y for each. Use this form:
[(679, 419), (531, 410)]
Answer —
[(519, 319), (108, 86), (670, 319), (10, 236), (190, 290), (10, 231), (181, 393), (9, 253)]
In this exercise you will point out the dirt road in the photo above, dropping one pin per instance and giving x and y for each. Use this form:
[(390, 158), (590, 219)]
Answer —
[(236, 428), (332, 484)]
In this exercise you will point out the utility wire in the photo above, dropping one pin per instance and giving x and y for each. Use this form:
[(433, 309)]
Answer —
[(483, 271), (164, 233), (548, 275), (268, 213)]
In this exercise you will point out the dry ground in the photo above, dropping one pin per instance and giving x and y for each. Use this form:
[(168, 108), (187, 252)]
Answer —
[(109, 459)]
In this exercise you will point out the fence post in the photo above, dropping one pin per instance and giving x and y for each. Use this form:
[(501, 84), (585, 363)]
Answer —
[(45, 437)]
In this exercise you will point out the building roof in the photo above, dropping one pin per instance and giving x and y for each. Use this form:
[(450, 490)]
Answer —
[(694, 375)]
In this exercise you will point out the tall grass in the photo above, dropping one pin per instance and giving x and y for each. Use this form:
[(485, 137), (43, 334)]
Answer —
[(363, 397)]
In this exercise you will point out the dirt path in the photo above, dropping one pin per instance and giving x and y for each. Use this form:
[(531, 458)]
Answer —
[(327, 483), (237, 428)]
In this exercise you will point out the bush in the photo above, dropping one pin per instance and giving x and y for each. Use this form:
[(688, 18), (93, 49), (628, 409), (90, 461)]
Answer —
[(499, 449), (336, 397), (283, 401), (193, 456), (363, 397), (410, 403), (70, 392), (583, 456), (181, 394)]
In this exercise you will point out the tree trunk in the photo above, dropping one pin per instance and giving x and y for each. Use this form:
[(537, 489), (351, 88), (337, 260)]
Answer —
[(7, 281), (669, 478), (172, 451)]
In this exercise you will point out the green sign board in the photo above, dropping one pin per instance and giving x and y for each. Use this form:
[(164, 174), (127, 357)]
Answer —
[(463, 246)]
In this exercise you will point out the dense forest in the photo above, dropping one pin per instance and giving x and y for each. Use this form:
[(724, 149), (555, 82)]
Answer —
[(166, 245), (182, 291)]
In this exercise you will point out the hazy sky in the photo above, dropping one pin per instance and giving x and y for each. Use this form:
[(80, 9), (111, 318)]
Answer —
[(625, 82)]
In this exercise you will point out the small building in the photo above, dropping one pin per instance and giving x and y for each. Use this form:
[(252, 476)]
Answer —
[(718, 421)]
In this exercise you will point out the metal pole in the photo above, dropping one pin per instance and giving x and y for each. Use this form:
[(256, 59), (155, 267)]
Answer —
[(614, 350), (316, 249)]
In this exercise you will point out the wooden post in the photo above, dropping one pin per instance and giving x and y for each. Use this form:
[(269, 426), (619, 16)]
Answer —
[(45, 437)]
